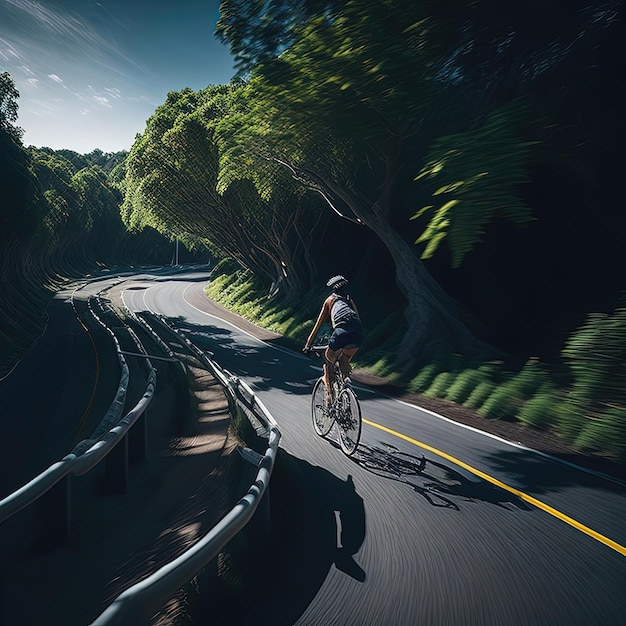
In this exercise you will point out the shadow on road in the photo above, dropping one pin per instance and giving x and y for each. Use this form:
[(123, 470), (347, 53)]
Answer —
[(317, 521), (256, 360), (543, 475), (439, 484)]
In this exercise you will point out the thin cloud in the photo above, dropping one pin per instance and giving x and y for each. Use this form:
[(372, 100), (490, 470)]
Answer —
[(113, 93), (90, 73), (8, 51), (38, 28), (64, 27)]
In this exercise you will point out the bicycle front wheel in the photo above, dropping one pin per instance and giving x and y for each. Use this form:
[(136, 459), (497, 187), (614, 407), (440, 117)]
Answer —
[(320, 410), (349, 421)]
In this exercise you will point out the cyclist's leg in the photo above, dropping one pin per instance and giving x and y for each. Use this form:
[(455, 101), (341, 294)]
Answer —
[(330, 358), (345, 358)]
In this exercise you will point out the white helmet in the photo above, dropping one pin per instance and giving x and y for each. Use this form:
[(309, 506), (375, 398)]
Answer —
[(336, 282)]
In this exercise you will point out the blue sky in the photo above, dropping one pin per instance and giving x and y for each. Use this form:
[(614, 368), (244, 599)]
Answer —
[(90, 73)]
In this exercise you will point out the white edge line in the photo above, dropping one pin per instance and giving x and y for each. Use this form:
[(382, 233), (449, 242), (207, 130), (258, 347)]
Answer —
[(555, 459), (241, 330)]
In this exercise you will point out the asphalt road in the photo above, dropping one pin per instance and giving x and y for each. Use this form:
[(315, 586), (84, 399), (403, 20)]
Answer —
[(470, 530)]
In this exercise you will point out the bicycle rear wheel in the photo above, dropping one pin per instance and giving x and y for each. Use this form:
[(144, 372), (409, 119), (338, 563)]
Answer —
[(349, 421), (320, 411)]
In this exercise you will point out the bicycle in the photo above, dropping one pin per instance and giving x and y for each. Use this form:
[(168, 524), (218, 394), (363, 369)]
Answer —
[(343, 408)]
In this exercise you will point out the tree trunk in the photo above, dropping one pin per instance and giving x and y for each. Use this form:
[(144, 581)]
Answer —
[(431, 315)]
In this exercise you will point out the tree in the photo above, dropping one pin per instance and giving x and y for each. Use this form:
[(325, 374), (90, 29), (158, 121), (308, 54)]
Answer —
[(370, 95), (258, 31), (171, 185), (349, 110), (9, 96)]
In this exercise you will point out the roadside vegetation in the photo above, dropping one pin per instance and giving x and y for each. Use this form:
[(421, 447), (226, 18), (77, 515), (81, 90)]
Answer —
[(59, 220), (582, 400), (439, 156)]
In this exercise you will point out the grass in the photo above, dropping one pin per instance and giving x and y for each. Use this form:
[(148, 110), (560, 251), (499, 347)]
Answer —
[(605, 433), (463, 385), (533, 395), (540, 410)]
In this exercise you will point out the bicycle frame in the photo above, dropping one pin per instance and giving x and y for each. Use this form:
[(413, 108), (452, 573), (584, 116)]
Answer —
[(343, 409)]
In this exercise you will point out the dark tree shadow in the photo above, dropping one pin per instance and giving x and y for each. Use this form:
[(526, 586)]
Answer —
[(255, 360), (544, 475), (317, 522)]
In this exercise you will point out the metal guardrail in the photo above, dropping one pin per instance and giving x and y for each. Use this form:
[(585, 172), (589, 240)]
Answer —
[(74, 464), (88, 453), (137, 604)]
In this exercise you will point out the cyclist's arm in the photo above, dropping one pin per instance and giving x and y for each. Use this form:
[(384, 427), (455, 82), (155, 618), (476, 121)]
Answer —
[(323, 316)]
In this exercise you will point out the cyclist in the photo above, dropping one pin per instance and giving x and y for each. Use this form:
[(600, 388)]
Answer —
[(347, 335)]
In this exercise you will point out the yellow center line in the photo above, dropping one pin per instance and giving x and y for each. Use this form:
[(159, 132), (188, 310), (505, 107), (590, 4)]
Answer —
[(494, 481)]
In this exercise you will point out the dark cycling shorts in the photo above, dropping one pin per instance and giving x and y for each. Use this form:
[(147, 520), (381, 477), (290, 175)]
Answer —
[(348, 335)]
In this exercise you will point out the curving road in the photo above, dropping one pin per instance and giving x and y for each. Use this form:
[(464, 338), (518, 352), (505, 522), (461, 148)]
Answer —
[(431, 522)]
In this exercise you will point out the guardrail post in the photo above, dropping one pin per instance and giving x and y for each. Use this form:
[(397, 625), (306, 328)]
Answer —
[(138, 438), (2, 600), (262, 519), (55, 509), (116, 467)]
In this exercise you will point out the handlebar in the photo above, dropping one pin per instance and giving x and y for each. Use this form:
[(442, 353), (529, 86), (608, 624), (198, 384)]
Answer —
[(317, 351)]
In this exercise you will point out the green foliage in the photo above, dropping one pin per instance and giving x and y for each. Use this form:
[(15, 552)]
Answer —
[(382, 366), (9, 96), (472, 177), (596, 355), (605, 433), (425, 377), (503, 403), (241, 293), (172, 184), (592, 415), (571, 416), (463, 385), (510, 395), (533, 376), (541, 410), (440, 385), (479, 394), (60, 218)]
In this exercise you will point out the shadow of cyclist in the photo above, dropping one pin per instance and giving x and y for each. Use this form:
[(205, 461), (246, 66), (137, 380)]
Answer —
[(350, 520), (317, 521)]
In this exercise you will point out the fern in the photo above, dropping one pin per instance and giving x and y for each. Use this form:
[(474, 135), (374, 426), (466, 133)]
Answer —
[(479, 395), (463, 385), (471, 178), (439, 385), (541, 410)]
